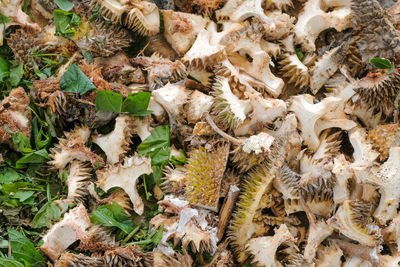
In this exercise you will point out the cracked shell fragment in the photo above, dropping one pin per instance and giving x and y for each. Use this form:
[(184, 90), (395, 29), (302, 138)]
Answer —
[(125, 175)]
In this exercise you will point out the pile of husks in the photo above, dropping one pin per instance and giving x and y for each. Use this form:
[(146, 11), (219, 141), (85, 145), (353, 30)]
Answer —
[(199, 133)]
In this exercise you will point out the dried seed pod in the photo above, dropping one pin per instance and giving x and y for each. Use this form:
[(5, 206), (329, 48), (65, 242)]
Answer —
[(313, 118), (161, 71), (137, 15), (177, 259), (116, 144), (229, 110), (181, 29), (78, 260), (101, 38), (77, 180), (377, 36), (352, 219), (125, 175), (314, 19), (204, 171), (264, 248), (379, 90), (326, 66), (13, 10), (383, 137), (258, 182), (70, 229), (16, 115), (73, 147), (127, 256), (386, 178), (99, 238)]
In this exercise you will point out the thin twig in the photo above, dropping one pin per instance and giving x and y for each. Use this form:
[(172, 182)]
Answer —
[(219, 131)]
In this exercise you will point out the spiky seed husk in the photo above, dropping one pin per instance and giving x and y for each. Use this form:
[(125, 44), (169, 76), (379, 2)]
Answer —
[(229, 110), (23, 42), (379, 90), (353, 219), (127, 256), (293, 69), (204, 171), (377, 36), (174, 180), (78, 260), (137, 15), (243, 161), (160, 70), (77, 181), (99, 238), (102, 39), (257, 183)]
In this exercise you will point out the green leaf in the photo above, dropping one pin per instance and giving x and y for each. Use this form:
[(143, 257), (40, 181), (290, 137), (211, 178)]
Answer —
[(8, 262), (381, 63), (21, 142), (39, 156), (4, 19), (8, 176), (64, 4), (65, 22), (178, 157), (4, 68), (11, 189), (23, 195), (38, 135), (158, 236), (299, 53), (49, 212), (23, 249), (112, 215), (75, 81), (16, 74), (392, 69), (109, 101), (157, 145), (136, 104)]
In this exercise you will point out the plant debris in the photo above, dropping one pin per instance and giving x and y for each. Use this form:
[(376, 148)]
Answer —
[(199, 133)]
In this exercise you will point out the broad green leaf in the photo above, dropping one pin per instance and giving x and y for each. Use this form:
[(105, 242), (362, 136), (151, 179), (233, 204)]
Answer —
[(65, 22), (8, 176), (8, 262), (23, 249), (4, 19), (112, 215), (157, 145), (50, 212), (109, 101), (382, 63), (136, 104), (23, 195), (39, 156), (64, 4), (75, 81), (16, 74), (8, 189)]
